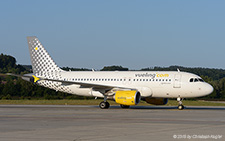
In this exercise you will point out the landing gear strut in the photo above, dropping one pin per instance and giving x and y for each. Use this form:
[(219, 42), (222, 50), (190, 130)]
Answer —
[(180, 106)]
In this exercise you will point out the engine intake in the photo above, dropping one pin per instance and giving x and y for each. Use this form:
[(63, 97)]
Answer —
[(127, 97)]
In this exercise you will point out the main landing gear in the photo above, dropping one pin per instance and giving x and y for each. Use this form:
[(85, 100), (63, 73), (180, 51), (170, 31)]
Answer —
[(104, 104), (180, 106)]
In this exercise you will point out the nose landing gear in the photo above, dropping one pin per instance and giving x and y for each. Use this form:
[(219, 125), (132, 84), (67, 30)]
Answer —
[(180, 106)]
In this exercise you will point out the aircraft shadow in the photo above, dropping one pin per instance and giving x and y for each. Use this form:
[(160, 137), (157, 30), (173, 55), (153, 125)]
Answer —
[(173, 107)]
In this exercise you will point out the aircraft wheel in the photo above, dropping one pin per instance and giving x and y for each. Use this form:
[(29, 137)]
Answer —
[(180, 107), (124, 106), (104, 105)]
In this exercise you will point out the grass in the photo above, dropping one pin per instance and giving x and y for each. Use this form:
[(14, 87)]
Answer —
[(96, 102)]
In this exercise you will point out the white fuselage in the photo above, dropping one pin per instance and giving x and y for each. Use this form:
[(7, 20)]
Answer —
[(159, 84)]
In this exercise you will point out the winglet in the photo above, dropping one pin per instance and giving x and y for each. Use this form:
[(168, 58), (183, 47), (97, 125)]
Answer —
[(35, 78)]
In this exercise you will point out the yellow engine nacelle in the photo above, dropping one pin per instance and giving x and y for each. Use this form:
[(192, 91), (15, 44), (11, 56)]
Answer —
[(127, 97), (156, 101)]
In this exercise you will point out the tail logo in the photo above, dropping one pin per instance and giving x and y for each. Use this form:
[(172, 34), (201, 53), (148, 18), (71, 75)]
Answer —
[(35, 78)]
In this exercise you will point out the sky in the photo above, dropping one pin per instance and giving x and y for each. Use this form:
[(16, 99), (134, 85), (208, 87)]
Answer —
[(131, 33)]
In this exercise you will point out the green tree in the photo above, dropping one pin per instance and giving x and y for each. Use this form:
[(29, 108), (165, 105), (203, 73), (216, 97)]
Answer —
[(114, 68)]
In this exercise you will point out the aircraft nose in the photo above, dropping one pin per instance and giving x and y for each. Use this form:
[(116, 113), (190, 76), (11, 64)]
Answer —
[(209, 89)]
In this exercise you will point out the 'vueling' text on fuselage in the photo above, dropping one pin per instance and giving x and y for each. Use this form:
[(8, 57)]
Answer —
[(151, 75)]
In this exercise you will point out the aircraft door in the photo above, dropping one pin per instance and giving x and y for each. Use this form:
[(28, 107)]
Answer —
[(177, 81)]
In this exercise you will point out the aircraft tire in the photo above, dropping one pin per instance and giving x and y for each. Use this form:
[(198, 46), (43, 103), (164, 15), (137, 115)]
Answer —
[(104, 105), (180, 107)]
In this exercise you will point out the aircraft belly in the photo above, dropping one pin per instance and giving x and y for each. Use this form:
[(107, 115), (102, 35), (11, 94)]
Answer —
[(159, 92), (167, 92)]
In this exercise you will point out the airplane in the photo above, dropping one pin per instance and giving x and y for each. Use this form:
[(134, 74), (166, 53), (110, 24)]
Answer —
[(126, 88)]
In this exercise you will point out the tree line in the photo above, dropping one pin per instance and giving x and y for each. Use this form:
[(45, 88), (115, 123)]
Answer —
[(16, 88)]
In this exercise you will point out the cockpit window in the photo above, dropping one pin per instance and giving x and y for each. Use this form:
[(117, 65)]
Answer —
[(196, 80)]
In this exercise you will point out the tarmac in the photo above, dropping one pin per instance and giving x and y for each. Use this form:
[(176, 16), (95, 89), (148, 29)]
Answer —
[(90, 123)]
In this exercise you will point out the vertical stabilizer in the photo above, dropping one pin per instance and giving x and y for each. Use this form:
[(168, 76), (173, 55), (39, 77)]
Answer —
[(42, 63)]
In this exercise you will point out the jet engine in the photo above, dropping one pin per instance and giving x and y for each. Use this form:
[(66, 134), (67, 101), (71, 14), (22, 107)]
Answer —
[(156, 101), (127, 97)]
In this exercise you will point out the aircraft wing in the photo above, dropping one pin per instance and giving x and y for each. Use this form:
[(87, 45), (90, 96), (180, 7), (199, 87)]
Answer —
[(82, 84), (33, 78)]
